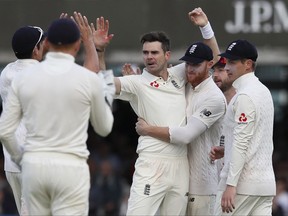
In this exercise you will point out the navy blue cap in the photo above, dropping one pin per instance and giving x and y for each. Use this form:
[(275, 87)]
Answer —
[(197, 53), (26, 38), (240, 49), (62, 32)]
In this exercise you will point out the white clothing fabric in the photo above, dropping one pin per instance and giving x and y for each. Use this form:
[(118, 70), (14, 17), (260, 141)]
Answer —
[(246, 205), (248, 130), (56, 98), (159, 181), (109, 87), (7, 75), (160, 103), (55, 184), (201, 205), (207, 104), (185, 135), (55, 84)]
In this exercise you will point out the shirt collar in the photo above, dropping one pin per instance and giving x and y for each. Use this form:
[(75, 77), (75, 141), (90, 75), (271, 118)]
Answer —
[(59, 56), (27, 61), (151, 78), (202, 84), (240, 81)]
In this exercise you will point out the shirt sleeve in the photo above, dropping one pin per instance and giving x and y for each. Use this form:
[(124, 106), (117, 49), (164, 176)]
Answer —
[(109, 87), (179, 71), (101, 116), (186, 134), (211, 110), (245, 116), (206, 115), (129, 87), (9, 121), (5, 84)]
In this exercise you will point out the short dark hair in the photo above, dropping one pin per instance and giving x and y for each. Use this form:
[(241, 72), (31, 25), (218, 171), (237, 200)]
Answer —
[(157, 36)]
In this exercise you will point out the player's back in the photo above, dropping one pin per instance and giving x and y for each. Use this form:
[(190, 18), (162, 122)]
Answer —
[(55, 96)]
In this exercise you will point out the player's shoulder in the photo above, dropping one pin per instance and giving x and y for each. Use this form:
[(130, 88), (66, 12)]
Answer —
[(177, 70), (82, 71), (8, 72)]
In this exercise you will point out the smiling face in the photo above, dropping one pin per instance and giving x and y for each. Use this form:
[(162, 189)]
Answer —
[(154, 57), (197, 73)]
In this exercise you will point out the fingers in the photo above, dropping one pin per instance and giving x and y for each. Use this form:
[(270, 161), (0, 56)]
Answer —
[(100, 24), (106, 25), (127, 70), (227, 201), (63, 15), (226, 206), (92, 27), (78, 18), (212, 155)]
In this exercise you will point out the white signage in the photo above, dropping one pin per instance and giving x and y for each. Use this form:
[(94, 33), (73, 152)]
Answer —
[(258, 16)]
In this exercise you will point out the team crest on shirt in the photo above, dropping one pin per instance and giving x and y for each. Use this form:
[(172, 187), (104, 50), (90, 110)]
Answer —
[(205, 112), (242, 119), (154, 84)]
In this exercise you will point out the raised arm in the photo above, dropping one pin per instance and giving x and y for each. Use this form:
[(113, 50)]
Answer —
[(91, 60), (199, 18), (101, 38)]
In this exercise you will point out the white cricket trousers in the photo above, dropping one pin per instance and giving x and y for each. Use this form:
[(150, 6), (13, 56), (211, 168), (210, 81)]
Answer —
[(246, 205), (14, 180), (201, 205), (159, 182), (55, 184)]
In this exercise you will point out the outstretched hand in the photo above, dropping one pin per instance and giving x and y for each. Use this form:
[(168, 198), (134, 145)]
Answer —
[(83, 25), (100, 34), (198, 17), (128, 70)]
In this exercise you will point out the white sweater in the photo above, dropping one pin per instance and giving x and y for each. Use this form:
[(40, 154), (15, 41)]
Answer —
[(57, 98), (248, 130)]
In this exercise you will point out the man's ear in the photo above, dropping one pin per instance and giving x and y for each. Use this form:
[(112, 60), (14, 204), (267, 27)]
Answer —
[(210, 64)]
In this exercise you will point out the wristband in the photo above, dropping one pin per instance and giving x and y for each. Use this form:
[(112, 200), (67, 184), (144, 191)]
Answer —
[(207, 31)]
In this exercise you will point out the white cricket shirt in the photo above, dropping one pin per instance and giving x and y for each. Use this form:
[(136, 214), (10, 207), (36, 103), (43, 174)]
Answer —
[(160, 103)]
